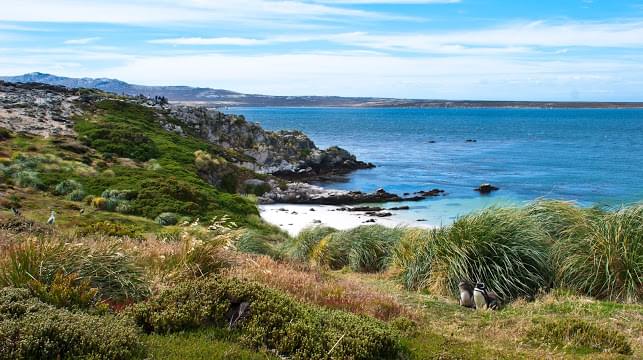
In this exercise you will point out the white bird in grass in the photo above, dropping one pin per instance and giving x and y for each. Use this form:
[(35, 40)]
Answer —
[(52, 218)]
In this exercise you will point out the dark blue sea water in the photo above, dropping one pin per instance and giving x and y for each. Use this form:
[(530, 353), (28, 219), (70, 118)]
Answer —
[(589, 156)]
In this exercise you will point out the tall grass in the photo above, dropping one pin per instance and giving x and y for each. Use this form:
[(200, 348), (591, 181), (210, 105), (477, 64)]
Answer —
[(502, 247), (104, 265), (301, 246), (413, 256), (606, 260), (559, 218), (370, 247)]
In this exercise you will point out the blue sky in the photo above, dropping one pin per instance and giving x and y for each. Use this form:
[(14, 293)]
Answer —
[(448, 49)]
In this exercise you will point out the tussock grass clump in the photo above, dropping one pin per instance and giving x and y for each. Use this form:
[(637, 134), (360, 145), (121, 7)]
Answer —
[(558, 218), (370, 246), (331, 251), (274, 321), (606, 260), (301, 246), (252, 242), (413, 257), (67, 186), (578, 336), (502, 247), (105, 266), (31, 329)]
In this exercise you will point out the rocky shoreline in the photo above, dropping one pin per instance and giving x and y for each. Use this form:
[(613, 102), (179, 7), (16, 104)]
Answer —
[(304, 193)]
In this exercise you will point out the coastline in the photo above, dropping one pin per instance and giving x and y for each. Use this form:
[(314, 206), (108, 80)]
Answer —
[(295, 217)]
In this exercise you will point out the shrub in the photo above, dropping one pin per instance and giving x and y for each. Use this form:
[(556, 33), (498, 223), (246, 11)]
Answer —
[(606, 261), (167, 218), (119, 194), (106, 267), (502, 247), (31, 329), (274, 321), (124, 207), (119, 139), (99, 202), (27, 178), (66, 291), (109, 228), (300, 247), (67, 186), (578, 335), (76, 195), (157, 196)]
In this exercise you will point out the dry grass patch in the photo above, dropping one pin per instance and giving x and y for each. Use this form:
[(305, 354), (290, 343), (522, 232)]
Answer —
[(321, 288)]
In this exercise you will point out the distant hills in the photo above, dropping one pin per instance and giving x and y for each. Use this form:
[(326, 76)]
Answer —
[(227, 98)]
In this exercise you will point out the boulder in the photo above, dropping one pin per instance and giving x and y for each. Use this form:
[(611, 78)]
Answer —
[(486, 188)]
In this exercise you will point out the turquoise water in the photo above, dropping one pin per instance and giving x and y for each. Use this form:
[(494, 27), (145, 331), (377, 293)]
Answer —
[(593, 157)]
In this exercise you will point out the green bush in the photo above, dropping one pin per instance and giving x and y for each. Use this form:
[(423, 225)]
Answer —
[(167, 219), (578, 335), (273, 320), (119, 194), (109, 228), (605, 257), (106, 266), (66, 291), (31, 329), (67, 186), (76, 195), (119, 139), (157, 196), (28, 178)]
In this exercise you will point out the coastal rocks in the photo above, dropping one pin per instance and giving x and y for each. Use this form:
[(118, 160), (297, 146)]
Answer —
[(432, 192), (400, 208), (486, 188), (287, 154), (303, 193)]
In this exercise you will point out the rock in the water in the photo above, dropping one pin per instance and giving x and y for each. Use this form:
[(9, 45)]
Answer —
[(400, 208), (365, 208), (486, 188)]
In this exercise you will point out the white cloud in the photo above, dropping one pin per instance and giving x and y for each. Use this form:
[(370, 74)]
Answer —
[(453, 77), (83, 41), (172, 11)]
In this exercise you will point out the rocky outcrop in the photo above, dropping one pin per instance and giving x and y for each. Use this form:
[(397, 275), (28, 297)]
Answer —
[(287, 154), (303, 193), (38, 109), (486, 188)]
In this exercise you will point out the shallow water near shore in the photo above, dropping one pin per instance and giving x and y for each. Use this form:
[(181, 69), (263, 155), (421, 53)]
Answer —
[(593, 157)]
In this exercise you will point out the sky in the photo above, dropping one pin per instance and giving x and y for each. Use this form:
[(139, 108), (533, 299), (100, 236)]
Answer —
[(566, 50)]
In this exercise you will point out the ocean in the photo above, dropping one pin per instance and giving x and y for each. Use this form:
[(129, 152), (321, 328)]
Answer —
[(592, 157)]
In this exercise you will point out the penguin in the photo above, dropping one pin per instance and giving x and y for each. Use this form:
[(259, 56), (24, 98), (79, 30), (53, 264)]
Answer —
[(466, 294), (52, 218), (82, 211), (485, 299), (15, 211)]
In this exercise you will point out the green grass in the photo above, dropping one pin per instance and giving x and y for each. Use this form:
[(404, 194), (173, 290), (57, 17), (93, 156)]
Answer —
[(209, 343), (605, 258), (578, 336)]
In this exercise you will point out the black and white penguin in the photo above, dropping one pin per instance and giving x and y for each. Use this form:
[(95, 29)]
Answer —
[(466, 294), (485, 299), (52, 218)]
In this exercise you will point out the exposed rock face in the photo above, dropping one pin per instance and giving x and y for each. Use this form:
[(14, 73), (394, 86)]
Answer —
[(42, 110), (302, 193), (288, 154)]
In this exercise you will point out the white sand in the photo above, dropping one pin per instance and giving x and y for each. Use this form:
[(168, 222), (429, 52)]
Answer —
[(294, 218)]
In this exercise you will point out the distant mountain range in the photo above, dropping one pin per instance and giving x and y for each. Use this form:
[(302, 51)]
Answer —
[(227, 98)]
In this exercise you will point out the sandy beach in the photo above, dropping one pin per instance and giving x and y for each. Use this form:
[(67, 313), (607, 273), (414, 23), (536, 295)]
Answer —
[(294, 218)]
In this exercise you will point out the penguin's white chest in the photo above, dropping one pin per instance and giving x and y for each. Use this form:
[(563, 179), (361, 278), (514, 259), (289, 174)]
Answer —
[(478, 298)]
